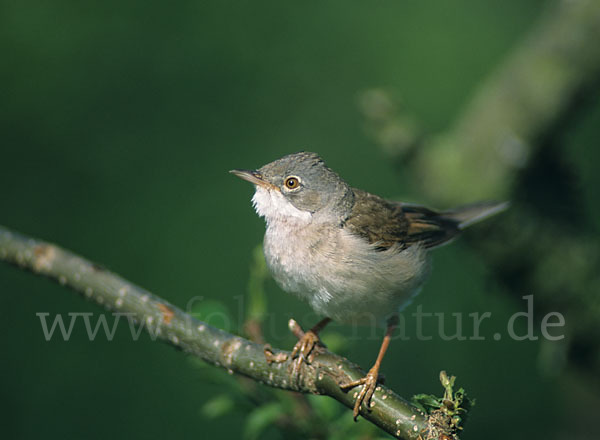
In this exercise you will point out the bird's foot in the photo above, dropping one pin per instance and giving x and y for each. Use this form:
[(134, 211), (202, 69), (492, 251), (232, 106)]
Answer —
[(307, 344), (369, 384)]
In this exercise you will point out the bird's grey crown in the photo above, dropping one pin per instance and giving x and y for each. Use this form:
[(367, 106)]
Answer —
[(322, 191)]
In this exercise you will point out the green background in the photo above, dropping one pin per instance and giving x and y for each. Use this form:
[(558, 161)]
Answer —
[(119, 122)]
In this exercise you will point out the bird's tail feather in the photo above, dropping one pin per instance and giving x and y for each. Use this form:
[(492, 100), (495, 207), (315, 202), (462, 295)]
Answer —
[(433, 228), (467, 215)]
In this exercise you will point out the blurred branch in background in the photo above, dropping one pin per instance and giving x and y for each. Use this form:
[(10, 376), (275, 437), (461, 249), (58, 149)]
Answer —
[(427, 417), (499, 131), (504, 144)]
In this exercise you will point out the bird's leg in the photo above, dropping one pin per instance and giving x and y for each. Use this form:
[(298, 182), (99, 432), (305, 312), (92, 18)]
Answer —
[(369, 382)]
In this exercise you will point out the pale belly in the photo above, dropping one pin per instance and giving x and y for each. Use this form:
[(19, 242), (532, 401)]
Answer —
[(342, 276)]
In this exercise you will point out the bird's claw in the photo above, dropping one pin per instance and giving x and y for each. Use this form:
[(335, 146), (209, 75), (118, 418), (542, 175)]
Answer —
[(271, 357), (369, 385), (307, 344), (301, 353)]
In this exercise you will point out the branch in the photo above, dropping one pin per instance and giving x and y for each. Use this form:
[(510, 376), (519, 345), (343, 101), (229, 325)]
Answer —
[(388, 411), (496, 135)]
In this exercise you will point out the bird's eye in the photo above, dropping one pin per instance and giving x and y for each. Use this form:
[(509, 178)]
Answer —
[(292, 182)]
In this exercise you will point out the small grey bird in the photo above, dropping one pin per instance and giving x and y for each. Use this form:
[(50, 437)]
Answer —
[(353, 256)]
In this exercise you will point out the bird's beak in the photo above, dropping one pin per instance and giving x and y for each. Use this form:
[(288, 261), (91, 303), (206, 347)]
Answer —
[(253, 177)]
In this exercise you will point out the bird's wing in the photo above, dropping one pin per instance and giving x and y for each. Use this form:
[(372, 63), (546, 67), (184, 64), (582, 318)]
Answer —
[(377, 220), (387, 223)]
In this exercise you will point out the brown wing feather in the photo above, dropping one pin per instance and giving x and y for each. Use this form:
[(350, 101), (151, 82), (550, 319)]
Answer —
[(388, 223)]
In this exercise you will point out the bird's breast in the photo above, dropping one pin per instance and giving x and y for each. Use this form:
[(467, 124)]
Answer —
[(291, 251), (339, 274)]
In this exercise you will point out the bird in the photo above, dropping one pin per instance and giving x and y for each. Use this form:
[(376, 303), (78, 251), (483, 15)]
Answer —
[(354, 257)]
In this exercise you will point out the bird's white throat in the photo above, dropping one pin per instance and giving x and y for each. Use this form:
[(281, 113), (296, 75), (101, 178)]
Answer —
[(273, 206)]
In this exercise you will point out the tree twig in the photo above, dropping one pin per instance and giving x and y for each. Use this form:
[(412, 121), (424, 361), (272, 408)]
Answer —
[(388, 411)]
